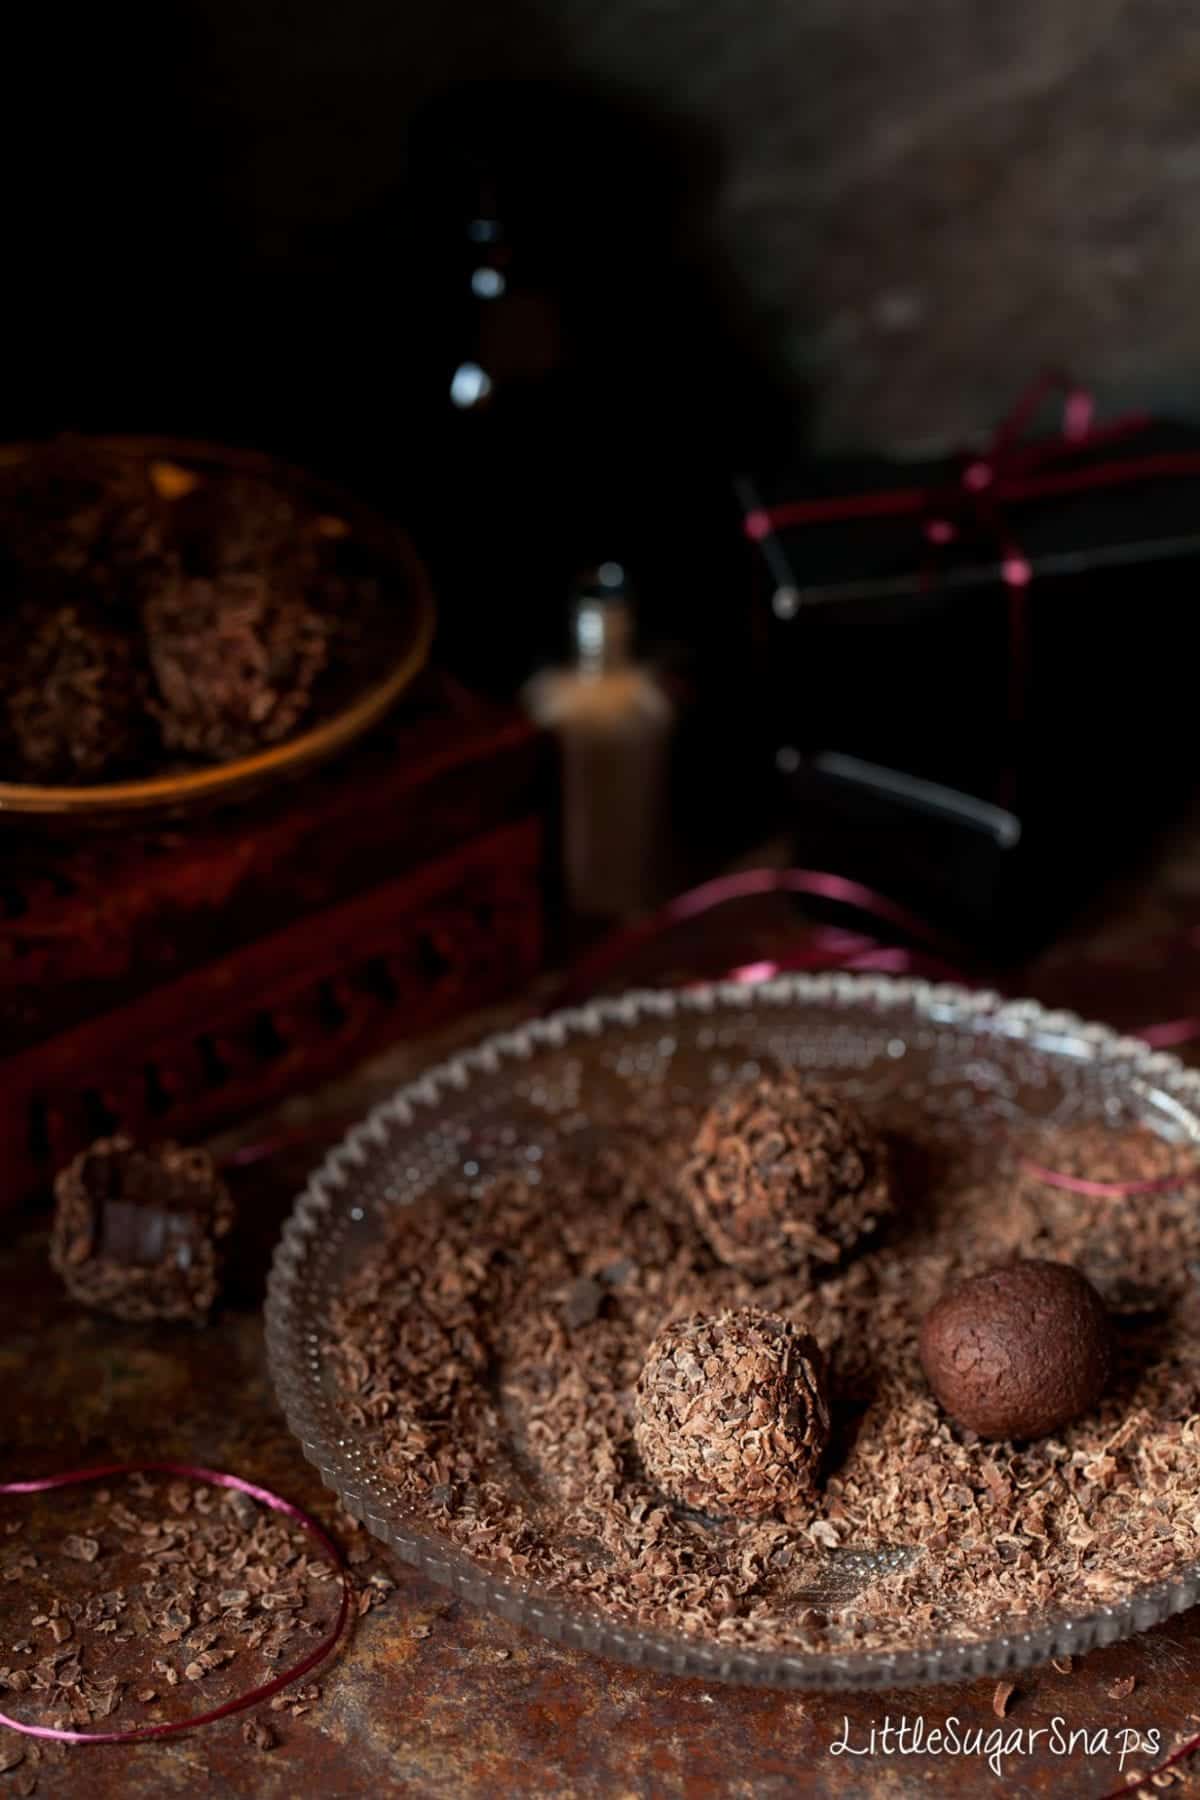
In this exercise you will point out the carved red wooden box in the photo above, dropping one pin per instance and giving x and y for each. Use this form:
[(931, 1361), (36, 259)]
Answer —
[(171, 980)]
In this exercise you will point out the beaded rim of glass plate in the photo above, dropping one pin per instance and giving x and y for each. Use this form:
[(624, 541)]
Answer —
[(294, 1350)]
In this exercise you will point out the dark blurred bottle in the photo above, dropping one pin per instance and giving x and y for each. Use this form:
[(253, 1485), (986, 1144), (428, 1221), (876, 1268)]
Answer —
[(592, 394), (493, 508)]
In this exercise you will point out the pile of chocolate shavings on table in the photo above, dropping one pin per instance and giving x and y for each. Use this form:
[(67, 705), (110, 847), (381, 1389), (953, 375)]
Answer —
[(488, 1347), (164, 1599)]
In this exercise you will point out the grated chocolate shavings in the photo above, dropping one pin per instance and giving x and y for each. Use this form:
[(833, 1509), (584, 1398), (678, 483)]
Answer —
[(141, 1599), (259, 1733), (492, 1413), (83, 1549)]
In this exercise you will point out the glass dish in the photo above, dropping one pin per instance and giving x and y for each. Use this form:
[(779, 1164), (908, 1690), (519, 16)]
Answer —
[(971, 1059)]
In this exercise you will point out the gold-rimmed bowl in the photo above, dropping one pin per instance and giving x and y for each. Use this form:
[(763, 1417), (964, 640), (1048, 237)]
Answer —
[(401, 632)]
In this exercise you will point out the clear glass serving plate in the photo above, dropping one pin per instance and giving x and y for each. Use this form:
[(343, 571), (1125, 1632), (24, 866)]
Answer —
[(968, 1058)]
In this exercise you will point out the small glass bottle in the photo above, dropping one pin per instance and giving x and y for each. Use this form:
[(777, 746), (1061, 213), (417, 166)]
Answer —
[(614, 722)]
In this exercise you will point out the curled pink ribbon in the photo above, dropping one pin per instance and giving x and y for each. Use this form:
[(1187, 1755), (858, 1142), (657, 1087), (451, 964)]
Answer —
[(214, 1478), (832, 947), (1099, 1190), (827, 948)]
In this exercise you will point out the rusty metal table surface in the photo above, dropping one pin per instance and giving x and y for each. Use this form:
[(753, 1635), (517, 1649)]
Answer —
[(428, 1696)]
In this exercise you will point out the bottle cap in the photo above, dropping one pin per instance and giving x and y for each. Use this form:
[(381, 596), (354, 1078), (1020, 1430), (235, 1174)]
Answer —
[(602, 620)]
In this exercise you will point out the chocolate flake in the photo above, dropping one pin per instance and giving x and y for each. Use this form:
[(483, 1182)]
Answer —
[(1000, 1699), (258, 1733), (81, 1549), (582, 1303)]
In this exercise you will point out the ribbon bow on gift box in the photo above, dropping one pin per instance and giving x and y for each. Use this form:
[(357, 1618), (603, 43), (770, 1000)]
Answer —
[(1013, 468)]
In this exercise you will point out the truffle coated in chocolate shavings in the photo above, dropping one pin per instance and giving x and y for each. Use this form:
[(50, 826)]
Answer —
[(514, 1434), (785, 1174), (234, 659), (732, 1415), (73, 694)]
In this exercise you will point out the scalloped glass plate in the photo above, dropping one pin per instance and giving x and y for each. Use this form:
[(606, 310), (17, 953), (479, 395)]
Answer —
[(971, 1059)]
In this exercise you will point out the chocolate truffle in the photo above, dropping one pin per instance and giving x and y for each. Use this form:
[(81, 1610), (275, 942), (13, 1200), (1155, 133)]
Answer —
[(234, 660), (785, 1174), (1019, 1351), (136, 1232), (75, 700), (732, 1414)]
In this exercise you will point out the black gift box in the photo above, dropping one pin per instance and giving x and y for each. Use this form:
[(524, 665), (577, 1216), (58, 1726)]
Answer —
[(986, 752)]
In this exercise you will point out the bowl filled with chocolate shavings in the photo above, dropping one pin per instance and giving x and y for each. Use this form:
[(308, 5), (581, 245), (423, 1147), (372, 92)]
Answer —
[(182, 624), (486, 1286)]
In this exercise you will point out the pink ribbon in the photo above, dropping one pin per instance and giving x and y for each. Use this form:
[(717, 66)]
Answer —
[(832, 947), (215, 1478), (1140, 1784), (1010, 471), (1099, 1190), (826, 948)]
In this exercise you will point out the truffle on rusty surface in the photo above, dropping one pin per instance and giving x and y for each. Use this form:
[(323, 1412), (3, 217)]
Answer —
[(234, 661), (1019, 1351), (137, 1232), (732, 1414), (785, 1174), (74, 699)]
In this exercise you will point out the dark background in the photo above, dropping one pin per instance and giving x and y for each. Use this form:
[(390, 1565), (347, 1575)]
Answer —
[(914, 204), (736, 229)]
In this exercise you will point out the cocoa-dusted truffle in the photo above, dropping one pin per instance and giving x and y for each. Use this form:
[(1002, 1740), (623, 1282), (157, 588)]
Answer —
[(733, 1415), (136, 1232), (234, 660), (1019, 1351), (785, 1174)]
